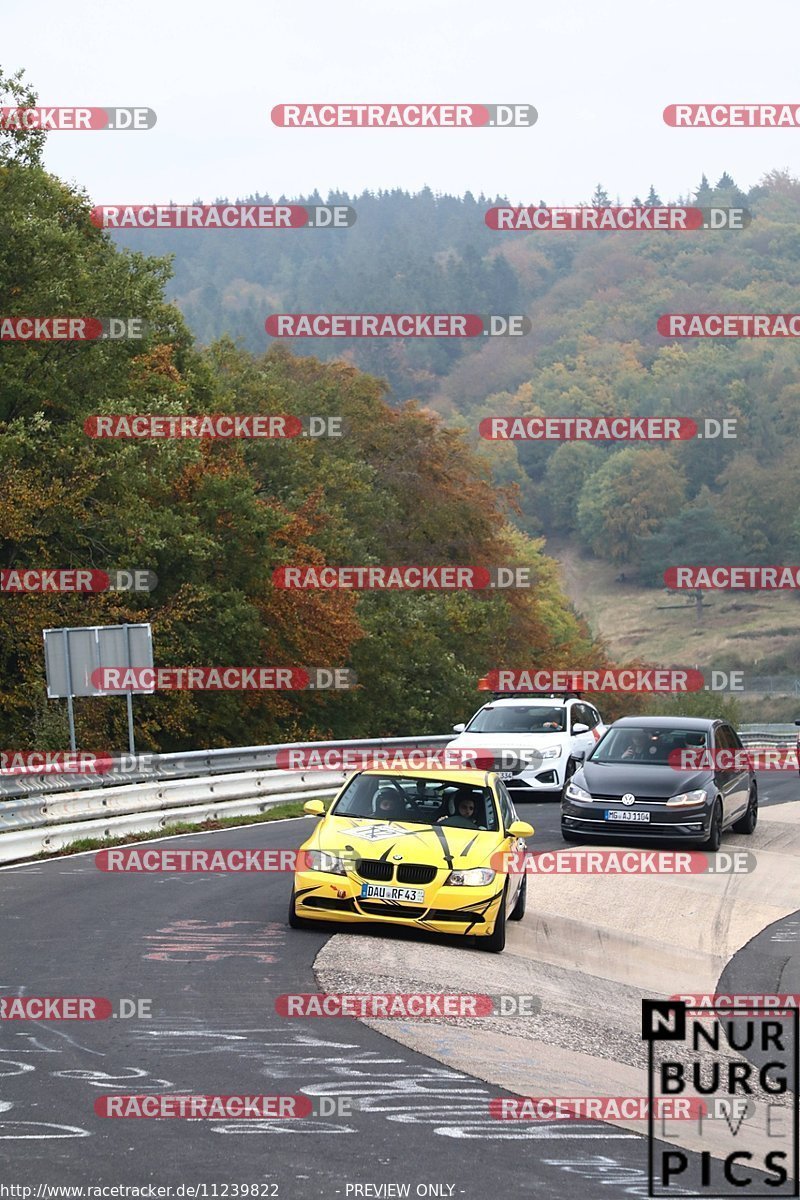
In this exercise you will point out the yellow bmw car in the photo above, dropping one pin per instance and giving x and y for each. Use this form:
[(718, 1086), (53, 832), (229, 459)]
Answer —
[(416, 848)]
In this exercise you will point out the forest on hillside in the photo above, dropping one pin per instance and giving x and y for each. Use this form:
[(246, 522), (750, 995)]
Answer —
[(593, 300), (214, 519)]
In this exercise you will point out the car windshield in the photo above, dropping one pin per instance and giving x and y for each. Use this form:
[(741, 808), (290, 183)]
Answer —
[(418, 801), (643, 744), (517, 718)]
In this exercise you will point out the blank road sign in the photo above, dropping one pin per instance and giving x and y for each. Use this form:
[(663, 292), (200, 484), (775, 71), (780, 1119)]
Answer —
[(71, 655)]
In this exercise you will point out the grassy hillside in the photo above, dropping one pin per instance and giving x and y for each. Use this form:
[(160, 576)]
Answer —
[(758, 633)]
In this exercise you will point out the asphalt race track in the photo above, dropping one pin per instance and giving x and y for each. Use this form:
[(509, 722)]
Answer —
[(212, 953)]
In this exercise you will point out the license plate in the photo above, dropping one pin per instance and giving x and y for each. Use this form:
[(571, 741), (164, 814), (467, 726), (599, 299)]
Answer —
[(506, 774), (376, 891), (618, 814)]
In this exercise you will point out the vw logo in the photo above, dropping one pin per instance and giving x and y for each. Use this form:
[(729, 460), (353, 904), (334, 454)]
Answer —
[(628, 799)]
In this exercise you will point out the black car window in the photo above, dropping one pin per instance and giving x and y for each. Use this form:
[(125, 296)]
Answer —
[(582, 713), (506, 805), (725, 738)]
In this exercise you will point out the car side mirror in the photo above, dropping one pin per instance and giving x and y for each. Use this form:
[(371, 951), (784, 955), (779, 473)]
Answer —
[(314, 808), (520, 829), (459, 728), (578, 755), (580, 728)]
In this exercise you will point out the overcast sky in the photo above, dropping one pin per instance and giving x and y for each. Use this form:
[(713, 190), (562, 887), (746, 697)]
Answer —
[(598, 74)]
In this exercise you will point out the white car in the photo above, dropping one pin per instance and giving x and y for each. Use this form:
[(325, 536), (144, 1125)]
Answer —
[(552, 726)]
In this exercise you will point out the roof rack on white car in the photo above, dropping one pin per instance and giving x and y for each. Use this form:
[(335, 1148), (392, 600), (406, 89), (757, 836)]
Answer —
[(527, 695)]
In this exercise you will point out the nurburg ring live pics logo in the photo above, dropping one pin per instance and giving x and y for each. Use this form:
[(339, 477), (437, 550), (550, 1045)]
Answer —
[(742, 1054)]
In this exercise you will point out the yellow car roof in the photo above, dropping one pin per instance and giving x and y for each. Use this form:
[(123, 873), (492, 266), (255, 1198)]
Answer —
[(479, 778)]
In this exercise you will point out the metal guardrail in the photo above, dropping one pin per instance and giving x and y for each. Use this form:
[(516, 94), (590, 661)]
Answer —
[(185, 764), (769, 735), (50, 811), (192, 786)]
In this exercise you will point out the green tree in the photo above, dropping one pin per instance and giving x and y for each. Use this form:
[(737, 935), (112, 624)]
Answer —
[(695, 536), (628, 498)]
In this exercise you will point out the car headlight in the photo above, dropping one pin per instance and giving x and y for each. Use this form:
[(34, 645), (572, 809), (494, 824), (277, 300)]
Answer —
[(321, 860), (688, 799), (474, 877), (552, 752), (574, 792)]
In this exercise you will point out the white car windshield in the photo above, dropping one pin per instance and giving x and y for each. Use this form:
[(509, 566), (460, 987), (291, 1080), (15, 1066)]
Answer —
[(519, 719)]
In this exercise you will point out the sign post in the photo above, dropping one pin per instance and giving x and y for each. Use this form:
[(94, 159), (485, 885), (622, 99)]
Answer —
[(72, 654)]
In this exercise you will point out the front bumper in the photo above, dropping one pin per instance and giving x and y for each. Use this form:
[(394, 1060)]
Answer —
[(549, 777), (320, 896), (588, 818)]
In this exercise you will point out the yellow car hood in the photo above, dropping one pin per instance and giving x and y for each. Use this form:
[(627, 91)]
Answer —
[(443, 846)]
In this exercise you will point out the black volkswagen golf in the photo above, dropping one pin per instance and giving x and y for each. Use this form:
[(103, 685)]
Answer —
[(662, 777)]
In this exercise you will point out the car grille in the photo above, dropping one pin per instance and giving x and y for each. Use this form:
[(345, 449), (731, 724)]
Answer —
[(378, 869), (639, 799), (376, 909), (415, 873), (346, 905), (374, 868)]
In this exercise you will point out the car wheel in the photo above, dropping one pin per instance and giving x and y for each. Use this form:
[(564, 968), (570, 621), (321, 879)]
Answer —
[(295, 921), (496, 941), (748, 822), (715, 829), (518, 911)]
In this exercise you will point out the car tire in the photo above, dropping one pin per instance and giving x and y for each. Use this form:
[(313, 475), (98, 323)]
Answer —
[(293, 919), (714, 838), (518, 911), (748, 822), (496, 940)]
